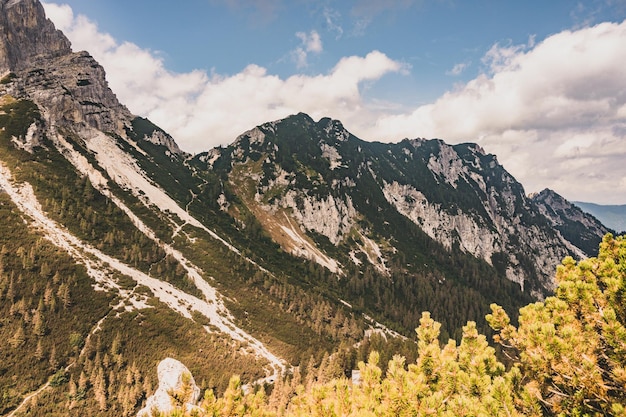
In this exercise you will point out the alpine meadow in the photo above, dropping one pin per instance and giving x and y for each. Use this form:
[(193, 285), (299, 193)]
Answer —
[(298, 271)]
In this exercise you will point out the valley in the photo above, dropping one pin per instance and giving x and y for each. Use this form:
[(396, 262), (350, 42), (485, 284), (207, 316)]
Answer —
[(289, 255)]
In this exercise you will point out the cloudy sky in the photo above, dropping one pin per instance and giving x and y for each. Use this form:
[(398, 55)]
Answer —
[(541, 84)]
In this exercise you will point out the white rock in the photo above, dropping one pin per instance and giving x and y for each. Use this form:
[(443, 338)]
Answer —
[(170, 373)]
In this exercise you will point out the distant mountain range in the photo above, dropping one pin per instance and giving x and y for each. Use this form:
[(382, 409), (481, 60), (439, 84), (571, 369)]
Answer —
[(612, 216), (297, 241)]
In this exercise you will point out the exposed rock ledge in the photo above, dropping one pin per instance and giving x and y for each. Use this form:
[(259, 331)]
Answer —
[(171, 376)]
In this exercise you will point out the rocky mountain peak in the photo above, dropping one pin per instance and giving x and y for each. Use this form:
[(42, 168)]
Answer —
[(29, 36), (329, 181), (70, 88), (578, 227), (549, 196), (334, 129)]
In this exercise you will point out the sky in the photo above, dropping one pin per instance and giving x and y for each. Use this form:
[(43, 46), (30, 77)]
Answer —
[(540, 84)]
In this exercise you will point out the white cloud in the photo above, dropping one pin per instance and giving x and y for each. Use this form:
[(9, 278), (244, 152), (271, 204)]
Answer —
[(203, 110), (458, 68), (332, 17), (311, 42), (553, 111), (299, 56), (499, 57)]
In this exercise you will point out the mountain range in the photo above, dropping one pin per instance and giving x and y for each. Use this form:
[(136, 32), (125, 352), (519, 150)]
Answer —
[(295, 242)]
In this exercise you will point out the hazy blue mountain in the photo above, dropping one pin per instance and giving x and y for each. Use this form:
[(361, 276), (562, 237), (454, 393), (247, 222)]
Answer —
[(613, 216)]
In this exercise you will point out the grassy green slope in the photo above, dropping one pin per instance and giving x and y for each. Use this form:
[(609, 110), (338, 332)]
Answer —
[(50, 308)]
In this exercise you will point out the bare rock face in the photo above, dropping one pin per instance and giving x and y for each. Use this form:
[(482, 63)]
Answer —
[(172, 376), (74, 90), (29, 36), (160, 137), (578, 227), (70, 88)]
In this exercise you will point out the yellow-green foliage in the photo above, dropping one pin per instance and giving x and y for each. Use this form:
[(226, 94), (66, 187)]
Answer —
[(568, 358), (571, 348), (451, 381)]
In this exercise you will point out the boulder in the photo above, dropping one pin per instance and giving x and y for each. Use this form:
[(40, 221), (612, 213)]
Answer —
[(172, 375)]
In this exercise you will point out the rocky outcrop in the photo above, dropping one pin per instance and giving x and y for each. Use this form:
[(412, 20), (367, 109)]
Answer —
[(448, 229), (176, 386), (330, 217), (581, 229), (30, 38), (447, 165), (159, 137), (73, 92), (70, 88), (502, 236)]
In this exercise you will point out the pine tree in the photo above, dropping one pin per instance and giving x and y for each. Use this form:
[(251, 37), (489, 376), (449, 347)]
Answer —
[(11, 291), (83, 382), (115, 344), (39, 324), (48, 294), (123, 397), (72, 391), (52, 360), (112, 383), (310, 372), (65, 295), (571, 348), (183, 395), (100, 389), (19, 337), (39, 352)]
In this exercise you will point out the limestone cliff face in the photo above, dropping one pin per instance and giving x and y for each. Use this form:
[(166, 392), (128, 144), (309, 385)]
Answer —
[(72, 91), (467, 200), (70, 88), (330, 217), (334, 185), (29, 38), (580, 228), (498, 222)]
